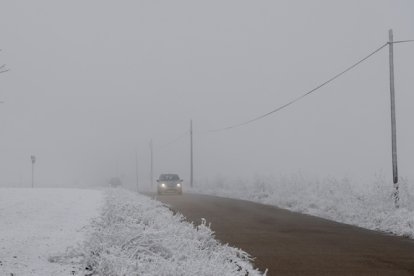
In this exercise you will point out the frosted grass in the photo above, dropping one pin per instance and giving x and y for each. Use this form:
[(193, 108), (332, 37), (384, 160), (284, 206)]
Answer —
[(136, 235), (369, 205)]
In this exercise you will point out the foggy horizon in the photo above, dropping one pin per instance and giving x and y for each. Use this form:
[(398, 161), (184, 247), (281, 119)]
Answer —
[(92, 83)]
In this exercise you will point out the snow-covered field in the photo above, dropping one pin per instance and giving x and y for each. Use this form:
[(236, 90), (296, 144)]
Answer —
[(368, 205), (80, 232), (36, 224)]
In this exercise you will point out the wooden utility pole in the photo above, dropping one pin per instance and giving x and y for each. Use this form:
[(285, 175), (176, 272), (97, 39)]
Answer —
[(152, 164), (191, 155), (33, 158), (136, 169), (393, 119)]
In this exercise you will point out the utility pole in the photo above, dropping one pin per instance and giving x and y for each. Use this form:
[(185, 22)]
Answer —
[(151, 165), (136, 169), (33, 158), (191, 155), (393, 120)]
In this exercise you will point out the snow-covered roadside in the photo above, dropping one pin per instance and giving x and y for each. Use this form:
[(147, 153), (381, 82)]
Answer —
[(36, 224), (368, 205), (136, 235)]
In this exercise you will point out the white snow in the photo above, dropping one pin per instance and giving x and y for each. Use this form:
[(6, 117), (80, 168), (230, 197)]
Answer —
[(79, 232), (36, 224), (366, 204), (136, 235)]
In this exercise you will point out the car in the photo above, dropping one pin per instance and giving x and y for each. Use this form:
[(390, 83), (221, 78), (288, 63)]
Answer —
[(115, 182), (169, 183)]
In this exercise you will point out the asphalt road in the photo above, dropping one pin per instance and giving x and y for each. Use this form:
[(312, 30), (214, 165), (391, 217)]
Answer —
[(288, 243)]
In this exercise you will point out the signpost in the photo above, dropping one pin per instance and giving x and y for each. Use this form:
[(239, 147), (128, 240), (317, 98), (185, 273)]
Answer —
[(33, 158), (152, 164), (191, 155), (136, 169)]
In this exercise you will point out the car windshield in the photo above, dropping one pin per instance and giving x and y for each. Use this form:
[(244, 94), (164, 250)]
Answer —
[(167, 177)]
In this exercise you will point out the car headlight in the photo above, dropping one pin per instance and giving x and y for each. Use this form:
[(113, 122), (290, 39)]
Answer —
[(178, 185), (163, 185)]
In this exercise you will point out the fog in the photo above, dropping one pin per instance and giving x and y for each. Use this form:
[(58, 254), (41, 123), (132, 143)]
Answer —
[(92, 82)]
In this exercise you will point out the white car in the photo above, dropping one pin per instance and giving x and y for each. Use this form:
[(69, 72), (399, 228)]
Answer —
[(169, 183)]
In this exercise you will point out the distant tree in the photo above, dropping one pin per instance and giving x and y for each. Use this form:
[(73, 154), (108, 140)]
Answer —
[(3, 68)]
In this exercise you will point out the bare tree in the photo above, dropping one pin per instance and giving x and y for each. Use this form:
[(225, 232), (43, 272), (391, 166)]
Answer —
[(3, 68)]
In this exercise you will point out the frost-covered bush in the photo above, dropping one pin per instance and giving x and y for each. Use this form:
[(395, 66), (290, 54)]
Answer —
[(369, 205), (136, 235)]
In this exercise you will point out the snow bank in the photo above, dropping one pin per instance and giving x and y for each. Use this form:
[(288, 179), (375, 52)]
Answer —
[(368, 205), (36, 224), (136, 235)]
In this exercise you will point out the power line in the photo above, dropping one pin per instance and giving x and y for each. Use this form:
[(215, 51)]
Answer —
[(403, 41), (305, 94), (176, 139), (296, 99)]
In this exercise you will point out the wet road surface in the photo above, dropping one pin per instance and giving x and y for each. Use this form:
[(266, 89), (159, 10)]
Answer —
[(288, 243)]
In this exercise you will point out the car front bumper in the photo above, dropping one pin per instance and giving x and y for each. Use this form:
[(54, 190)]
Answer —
[(169, 189)]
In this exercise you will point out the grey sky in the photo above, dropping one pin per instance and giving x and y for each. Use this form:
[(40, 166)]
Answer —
[(91, 82)]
